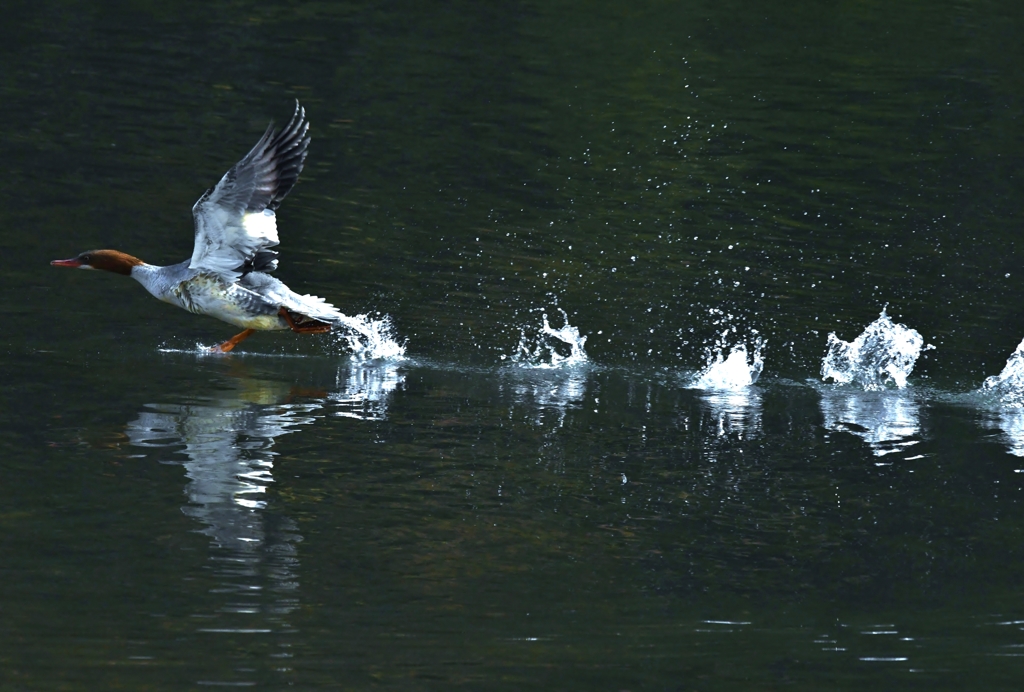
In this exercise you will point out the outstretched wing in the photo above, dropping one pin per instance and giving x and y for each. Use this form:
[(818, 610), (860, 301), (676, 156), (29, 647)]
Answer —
[(235, 223)]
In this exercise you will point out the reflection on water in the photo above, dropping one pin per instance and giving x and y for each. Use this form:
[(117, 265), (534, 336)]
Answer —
[(550, 371), (734, 413), (364, 390), (1009, 422), (888, 420), (548, 393), (1003, 402), (228, 441), (543, 397)]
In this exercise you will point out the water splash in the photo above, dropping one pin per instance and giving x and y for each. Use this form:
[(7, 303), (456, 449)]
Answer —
[(1007, 414), (369, 338), (737, 370), (1009, 384), (884, 352), (547, 348)]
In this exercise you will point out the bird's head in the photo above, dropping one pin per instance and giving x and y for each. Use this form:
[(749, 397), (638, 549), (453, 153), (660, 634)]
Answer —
[(107, 260)]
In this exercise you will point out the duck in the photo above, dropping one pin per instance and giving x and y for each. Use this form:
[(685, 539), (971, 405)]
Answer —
[(228, 275)]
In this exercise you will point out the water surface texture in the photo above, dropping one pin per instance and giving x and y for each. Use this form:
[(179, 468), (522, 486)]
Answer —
[(617, 241)]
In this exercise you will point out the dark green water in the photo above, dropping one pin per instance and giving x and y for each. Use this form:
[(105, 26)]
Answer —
[(663, 172)]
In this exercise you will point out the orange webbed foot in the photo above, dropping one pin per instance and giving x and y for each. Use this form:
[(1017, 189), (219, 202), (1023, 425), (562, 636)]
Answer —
[(232, 342), (310, 326)]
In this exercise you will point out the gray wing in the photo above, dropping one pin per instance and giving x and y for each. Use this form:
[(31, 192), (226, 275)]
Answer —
[(235, 223)]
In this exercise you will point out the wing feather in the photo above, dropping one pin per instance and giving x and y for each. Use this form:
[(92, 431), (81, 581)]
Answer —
[(235, 221)]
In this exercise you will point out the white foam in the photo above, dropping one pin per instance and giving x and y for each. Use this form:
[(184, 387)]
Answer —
[(369, 338), (884, 352), (542, 351), (1007, 415), (735, 371), (1009, 384)]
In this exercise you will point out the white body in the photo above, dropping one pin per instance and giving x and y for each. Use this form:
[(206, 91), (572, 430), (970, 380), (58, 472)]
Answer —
[(252, 302)]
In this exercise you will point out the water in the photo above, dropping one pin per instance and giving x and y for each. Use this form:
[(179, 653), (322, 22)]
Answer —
[(543, 349), (738, 369), (1003, 396), (371, 338), (884, 353), (1009, 384), (590, 446)]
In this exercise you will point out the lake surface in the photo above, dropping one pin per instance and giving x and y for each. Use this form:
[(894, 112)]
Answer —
[(496, 510)]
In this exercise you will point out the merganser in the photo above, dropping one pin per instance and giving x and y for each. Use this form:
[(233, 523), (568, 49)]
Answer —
[(226, 277)]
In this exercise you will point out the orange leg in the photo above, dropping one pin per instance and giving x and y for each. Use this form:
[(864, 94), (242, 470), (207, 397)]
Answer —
[(233, 341), (314, 327)]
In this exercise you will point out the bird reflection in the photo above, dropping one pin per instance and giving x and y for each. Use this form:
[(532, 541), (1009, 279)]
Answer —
[(227, 439), (889, 420)]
